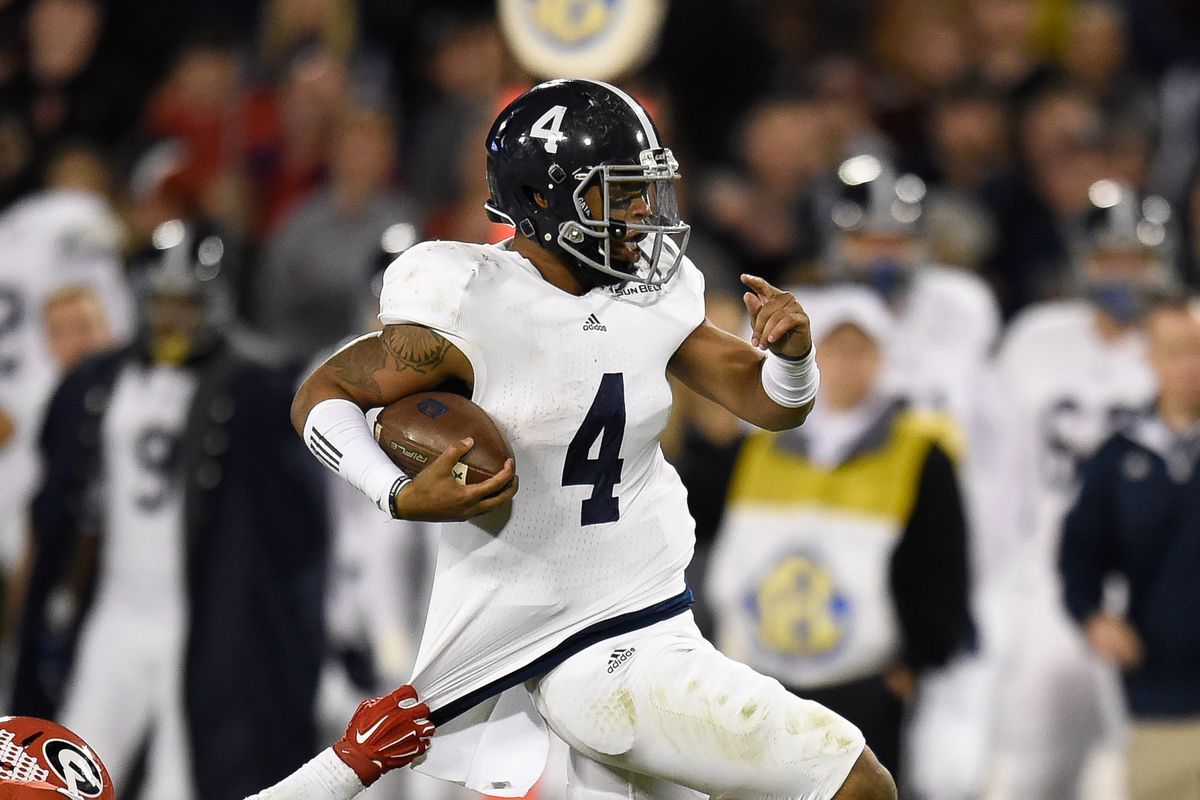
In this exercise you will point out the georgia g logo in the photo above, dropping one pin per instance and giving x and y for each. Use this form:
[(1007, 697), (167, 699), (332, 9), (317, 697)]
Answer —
[(75, 766)]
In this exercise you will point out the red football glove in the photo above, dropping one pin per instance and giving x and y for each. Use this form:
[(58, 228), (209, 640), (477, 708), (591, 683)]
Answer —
[(386, 733)]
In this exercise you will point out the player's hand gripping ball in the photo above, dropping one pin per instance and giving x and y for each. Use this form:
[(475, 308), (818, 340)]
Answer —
[(384, 734), (42, 760), (460, 462)]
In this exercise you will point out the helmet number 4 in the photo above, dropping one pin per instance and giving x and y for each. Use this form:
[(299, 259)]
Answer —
[(605, 421), (548, 127)]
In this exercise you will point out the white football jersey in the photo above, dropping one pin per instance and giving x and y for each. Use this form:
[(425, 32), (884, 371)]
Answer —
[(1071, 390), (578, 384), (143, 545), (48, 242)]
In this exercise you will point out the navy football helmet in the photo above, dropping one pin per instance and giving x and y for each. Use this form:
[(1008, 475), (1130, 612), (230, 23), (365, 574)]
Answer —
[(1124, 249), (186, 266), (873, 224), (559, 140), (872, 197)]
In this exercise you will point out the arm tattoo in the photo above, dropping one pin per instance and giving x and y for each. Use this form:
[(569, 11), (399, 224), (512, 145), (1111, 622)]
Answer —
[(413, 347), (398, 348), (356, 367)]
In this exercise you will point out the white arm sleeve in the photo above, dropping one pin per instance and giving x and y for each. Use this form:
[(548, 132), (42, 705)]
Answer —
[(337, 433), (791, 382), (325, 777)]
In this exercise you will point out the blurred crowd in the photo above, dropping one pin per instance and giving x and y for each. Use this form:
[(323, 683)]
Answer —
[(981, 203)]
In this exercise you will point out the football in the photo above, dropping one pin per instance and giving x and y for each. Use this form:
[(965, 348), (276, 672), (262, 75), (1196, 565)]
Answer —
[(417, 429)]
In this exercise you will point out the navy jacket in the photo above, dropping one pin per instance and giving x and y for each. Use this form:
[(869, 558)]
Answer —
[(1138, 514), (256, 539)]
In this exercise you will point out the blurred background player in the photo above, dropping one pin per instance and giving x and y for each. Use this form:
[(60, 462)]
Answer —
[(1137, 516), (946, 319), (76, 325), (1075, 370), (946, 322), (841, 566), (63, 294), (179, 541)]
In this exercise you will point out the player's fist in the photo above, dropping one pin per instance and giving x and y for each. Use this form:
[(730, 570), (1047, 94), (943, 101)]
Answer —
[(778, 320), (1114, 639), (435, 495), (386, 733)]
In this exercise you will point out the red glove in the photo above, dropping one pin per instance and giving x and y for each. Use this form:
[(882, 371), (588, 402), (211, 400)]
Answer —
[(386, 733)]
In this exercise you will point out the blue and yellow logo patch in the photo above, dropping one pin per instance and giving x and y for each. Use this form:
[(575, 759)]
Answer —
[(571, 23), (799, 608)]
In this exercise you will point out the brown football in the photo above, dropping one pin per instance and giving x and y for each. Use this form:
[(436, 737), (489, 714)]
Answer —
[(417, 429)]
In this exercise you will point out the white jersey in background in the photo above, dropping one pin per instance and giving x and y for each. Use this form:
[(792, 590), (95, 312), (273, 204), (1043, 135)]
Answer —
[(118, 694), (1070, 389), (48, 242), (1075, 389), (578, 384)]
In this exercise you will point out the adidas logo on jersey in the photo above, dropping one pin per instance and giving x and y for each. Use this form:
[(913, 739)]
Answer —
[(593, 323), (619, 657)]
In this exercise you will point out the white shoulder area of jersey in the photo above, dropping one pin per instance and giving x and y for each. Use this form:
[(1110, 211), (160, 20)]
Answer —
[(426, 283), (689, 276), (1043, 323), (961, 289), (83, 218)]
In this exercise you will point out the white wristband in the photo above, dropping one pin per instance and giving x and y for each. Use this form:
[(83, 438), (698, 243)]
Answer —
[(337, 433), (791, 382), (325, 777)]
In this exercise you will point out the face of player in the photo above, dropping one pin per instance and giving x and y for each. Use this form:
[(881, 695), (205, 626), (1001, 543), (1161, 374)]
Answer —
[(1119, 282), (1175, 356), (627, 202), (850, 361), (76, 326), (174, 323), (881, 260)]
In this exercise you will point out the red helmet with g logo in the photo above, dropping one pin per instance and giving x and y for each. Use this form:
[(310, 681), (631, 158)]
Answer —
[(42, 760)]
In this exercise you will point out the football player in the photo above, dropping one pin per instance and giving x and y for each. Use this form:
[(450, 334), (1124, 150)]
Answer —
[(946, 324), (947, 319), (159, 598), (49, 241), (1073, 370), (571, 594)]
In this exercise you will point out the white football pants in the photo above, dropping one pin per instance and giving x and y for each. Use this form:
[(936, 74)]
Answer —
[(660, 713), (126, 690)]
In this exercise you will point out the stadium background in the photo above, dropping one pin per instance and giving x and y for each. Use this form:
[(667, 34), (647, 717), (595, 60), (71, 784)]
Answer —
[(304, 130)]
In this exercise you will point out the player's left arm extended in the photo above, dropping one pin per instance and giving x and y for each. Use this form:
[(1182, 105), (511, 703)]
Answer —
[(384, 734), (775, 390)]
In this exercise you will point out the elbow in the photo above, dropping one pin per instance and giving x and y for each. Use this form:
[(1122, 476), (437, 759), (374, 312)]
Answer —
[(302, 404), (299, 414), (781, 418)]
